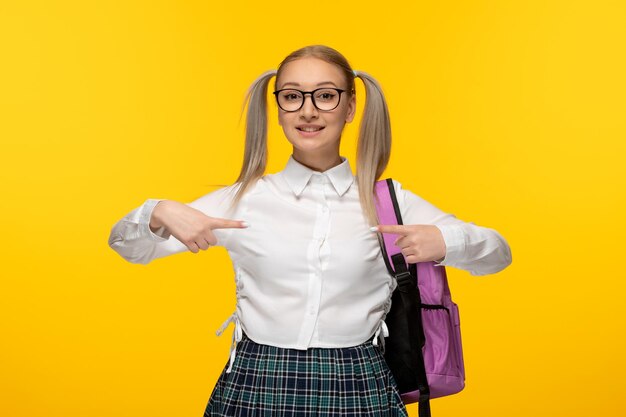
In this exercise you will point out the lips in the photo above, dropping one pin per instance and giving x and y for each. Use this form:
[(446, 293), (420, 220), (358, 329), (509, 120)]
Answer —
[(310, 128), (310, 133)]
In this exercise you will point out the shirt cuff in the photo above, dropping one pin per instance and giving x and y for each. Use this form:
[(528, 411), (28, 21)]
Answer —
[(144, 221), (454, 238)]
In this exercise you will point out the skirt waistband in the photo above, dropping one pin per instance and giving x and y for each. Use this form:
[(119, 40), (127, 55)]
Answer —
[(367, 343)]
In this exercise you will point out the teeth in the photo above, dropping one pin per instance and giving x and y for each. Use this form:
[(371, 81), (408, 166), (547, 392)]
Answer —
[(310, 129)]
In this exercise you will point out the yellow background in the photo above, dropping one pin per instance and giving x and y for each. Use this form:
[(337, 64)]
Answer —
[(510, 114)]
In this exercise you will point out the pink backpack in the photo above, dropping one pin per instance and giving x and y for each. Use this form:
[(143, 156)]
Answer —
[(423, 349)]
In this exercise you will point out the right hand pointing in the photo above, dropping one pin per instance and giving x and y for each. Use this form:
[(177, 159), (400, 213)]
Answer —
[(189, 225)]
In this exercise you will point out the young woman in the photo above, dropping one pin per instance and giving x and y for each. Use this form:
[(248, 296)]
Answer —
[(312, 288)]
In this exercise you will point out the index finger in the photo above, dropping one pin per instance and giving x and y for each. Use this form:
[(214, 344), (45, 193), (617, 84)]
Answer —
[(399, 229), (230, 224)]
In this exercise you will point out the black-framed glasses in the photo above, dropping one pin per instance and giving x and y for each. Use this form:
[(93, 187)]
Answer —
[(324, 99)]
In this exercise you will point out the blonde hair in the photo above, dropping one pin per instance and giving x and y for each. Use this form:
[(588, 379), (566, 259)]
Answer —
[(374, 141)]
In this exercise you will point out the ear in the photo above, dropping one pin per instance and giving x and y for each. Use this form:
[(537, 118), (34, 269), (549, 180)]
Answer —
[(351, 109)]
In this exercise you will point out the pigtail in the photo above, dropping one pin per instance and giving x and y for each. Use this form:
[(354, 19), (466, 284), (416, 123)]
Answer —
[(374, 144), (255, 153)]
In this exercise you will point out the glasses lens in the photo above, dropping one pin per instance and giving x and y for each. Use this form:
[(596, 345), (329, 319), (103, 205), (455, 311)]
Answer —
[(290, 100), (326, 99)]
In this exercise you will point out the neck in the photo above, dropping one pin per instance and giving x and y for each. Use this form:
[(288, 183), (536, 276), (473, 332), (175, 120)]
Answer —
[(319, 164)]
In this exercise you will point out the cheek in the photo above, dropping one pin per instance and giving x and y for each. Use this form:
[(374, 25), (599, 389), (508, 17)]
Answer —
[(338, 120), (285, 119)]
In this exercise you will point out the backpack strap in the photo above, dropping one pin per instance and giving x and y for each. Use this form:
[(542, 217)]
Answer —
[(388, 212)]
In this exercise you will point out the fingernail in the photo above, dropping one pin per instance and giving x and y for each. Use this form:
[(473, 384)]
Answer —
[(374, 229), (245, 224)]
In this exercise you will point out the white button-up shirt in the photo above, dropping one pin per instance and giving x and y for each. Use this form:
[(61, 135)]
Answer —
[(308, 271)]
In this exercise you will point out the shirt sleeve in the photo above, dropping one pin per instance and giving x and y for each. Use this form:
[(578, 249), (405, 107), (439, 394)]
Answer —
[(476, 249), (132, 238)]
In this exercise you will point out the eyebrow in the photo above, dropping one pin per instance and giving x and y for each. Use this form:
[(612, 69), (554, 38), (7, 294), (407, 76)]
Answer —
[(298, 85)]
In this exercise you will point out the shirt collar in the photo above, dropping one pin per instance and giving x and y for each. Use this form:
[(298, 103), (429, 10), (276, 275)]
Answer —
[(298, 175)]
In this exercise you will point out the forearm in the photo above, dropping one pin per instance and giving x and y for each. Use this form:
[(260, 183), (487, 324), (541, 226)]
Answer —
[(134, 240), (478, 250)]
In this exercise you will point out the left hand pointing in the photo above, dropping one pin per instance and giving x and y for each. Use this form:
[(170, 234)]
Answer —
[(418, 242)]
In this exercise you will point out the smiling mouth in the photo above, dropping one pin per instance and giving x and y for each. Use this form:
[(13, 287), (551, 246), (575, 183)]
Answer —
[(309, 129)]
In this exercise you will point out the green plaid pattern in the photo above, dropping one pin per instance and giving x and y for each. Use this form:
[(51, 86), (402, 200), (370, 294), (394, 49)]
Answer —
[(269, 381)]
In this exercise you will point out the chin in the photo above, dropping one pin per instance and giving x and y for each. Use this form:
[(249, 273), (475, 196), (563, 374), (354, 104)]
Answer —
[(308, 148)]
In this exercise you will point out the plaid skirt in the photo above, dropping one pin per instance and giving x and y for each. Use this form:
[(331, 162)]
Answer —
[(270, 381)]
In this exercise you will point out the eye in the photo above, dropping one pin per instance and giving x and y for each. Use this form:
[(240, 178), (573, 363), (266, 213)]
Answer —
[(326, 95), (291, 95)]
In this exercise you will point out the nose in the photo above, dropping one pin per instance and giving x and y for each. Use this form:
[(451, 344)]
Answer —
[(308, 110)]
